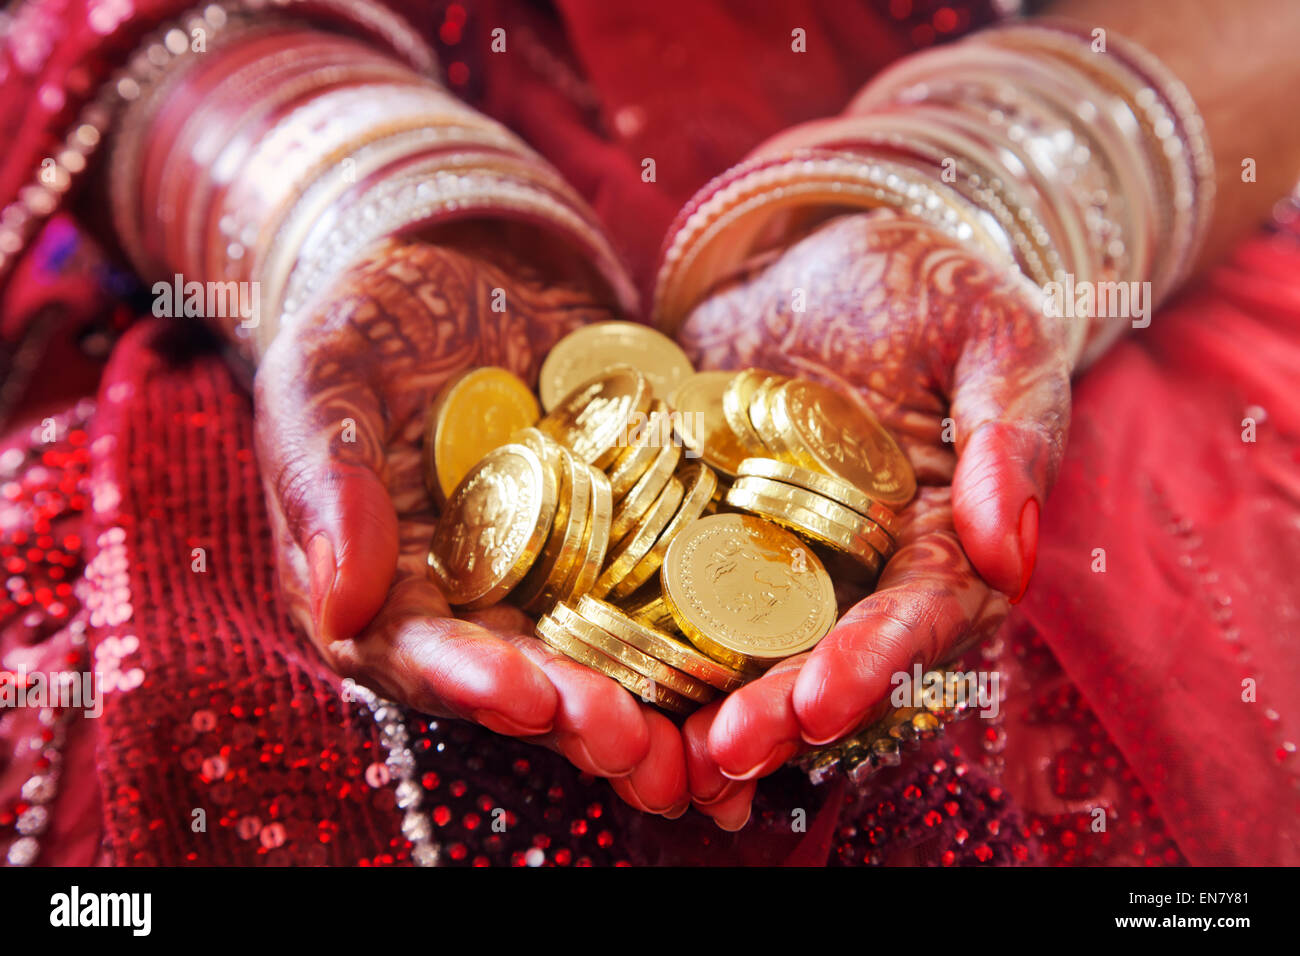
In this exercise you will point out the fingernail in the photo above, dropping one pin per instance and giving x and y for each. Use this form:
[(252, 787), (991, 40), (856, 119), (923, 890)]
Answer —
[(779, 755), (1028, 545), (735, 822), (724, 792), (576, 752), (678, 810), (831, 738), (501, 724), (863, 719), (650, 808), (323, 568)]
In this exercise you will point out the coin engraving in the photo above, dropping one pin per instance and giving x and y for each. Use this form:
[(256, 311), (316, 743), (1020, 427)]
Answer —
[(733, 579)]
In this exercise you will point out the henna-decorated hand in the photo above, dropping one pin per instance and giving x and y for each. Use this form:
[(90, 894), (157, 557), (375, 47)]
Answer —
[(341, 401), (924, 332)]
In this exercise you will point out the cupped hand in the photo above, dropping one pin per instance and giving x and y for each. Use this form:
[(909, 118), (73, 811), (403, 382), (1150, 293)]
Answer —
[(341, 399), (958, 360)]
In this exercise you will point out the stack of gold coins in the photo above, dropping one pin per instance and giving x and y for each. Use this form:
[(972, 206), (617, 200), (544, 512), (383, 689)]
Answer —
[(666, 525), (820, 507), (820, 464), (652, 664), (579, 537)]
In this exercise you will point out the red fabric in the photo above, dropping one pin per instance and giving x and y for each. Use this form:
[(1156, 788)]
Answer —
[(1147, 651), (1201, 532)]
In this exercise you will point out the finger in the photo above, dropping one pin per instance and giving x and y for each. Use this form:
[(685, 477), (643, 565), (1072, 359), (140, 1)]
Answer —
[(756, 730), (929, 602), (501, 619), (417, 653), (321, 452), (706, 782), (599, 726), (715, 795), (658, 784), (1011, 406), (733, 813)]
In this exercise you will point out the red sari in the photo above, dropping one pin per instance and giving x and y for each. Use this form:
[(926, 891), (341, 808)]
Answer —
[(1157, 690)]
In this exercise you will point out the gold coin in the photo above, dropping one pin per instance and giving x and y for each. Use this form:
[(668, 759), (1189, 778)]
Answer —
[(831, 510), (661, 646), (596, 636), (745, 591), (595, 538), (588, 351), (558, 562), (648, 607), (827, 431), (636, 544), (559, 638), (592, 419), (697, 415), (759, 416), (823, 484), (719, 497), (637, 502), (735, 408), (700, 483), (646, 440), (474, 413), (546, 447), (493, 527), (804, 520)]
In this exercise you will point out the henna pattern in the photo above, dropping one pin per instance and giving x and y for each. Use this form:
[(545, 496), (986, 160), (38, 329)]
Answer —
[(891, 306), (935, 341), (346, 390)]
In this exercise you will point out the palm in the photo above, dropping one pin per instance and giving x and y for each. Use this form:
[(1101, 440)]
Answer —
[(341, 410), (973, 382)]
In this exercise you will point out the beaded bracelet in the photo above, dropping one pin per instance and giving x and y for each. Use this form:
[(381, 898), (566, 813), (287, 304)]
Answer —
[(1043, 113), (258, 92), (881, 744)]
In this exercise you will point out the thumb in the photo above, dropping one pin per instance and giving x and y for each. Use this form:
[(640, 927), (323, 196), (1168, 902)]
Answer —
[(1011, 408), (322, 455)]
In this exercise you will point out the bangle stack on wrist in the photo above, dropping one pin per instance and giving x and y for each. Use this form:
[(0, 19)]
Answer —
[(1037, 145), (282, 158)]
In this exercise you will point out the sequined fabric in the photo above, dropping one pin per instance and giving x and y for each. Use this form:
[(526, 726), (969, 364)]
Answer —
[(224, 740)]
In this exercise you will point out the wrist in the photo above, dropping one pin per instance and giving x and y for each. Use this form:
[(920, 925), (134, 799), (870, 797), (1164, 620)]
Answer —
[(1041, 156), (281, 156)]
